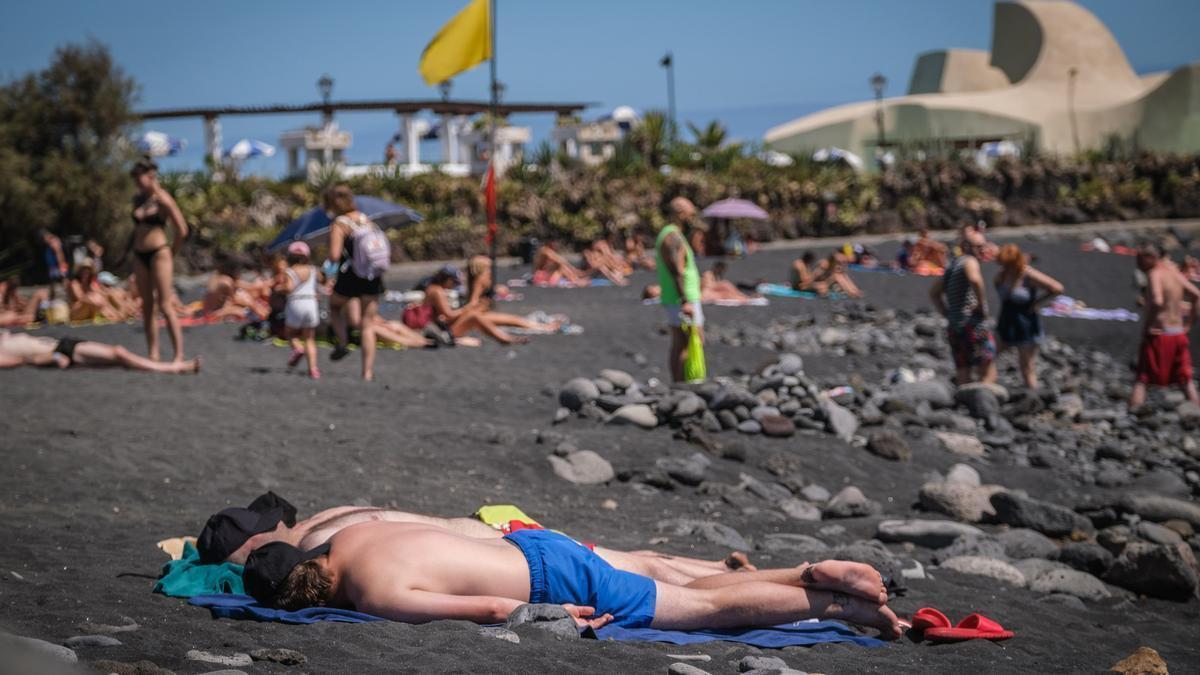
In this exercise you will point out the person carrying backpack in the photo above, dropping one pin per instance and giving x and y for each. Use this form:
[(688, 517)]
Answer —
[(363, 255)]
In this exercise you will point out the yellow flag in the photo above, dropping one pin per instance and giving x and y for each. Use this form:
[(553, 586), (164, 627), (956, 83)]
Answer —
[(463, 43)]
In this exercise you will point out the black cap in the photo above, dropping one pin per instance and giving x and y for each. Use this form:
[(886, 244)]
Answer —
[(227, 530), (268, 566)]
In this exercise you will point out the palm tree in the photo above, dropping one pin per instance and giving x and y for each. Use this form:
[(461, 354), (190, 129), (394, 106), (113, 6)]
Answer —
[(711, 137), (650, 137)]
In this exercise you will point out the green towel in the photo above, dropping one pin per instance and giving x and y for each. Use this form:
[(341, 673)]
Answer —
[(187, 576)]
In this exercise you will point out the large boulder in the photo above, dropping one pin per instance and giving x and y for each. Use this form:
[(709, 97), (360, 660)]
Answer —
[(619, 378), (706, 529), (577, 392), (1070, 582), (889, 445), (637, 414), (1167, 572), (928, 533), (1161, 508), (1020, 543), (961, 501), (1085, 557), (851, 503), (937, 393), (960, 444), (1049, 519), (838, 420), (987, 567), (583, 467)]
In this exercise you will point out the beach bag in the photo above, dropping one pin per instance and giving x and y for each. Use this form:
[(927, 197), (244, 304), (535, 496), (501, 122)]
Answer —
[(694, 368), (417, 317), (372, 250)]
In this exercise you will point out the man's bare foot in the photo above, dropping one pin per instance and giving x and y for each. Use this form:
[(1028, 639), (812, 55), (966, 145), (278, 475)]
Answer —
[(194, 366), (369, 377), (854, 578), (739, 561), (855, 610)]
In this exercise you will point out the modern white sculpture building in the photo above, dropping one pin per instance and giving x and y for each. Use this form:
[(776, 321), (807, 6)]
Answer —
[(1055, 76)]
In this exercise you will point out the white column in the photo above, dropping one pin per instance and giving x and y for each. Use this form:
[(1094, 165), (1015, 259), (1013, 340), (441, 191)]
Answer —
[(212, 140), (447, 139), (412, 144)]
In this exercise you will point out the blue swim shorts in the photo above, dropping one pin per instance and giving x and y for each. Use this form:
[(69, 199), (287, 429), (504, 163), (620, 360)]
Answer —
[(563, 571)]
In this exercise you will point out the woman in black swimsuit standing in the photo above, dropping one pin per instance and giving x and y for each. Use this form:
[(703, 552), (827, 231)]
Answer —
[(154, 255)]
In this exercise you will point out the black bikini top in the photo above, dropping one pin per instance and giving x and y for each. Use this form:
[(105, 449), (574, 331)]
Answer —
[(155, 219)]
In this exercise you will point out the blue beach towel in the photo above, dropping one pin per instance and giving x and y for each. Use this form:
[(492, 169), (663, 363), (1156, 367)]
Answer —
[(187, 576), (785, 291), (799, 634)]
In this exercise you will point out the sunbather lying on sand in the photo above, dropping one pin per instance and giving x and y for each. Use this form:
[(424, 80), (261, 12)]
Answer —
[(601, 258), (715, 288), (831, 275), (550, 268), (635, 253), (16, 310), (419, 573), (21, 349), (233, 533)]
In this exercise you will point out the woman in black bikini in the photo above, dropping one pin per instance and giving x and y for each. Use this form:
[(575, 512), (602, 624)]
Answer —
[(154, 255)]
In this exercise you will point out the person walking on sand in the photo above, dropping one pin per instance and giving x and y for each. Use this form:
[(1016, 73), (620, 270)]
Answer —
[(960, 295), (1019, 324), (302, 315), (361, 250), (1170, 301), (679, 281), (154, 255)]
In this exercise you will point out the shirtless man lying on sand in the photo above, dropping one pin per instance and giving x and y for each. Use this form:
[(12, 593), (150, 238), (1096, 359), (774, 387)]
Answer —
[(233, 533), (21, 349), (417, 573)]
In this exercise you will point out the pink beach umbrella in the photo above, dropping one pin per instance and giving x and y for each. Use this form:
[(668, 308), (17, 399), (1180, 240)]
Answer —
[(733, 209)]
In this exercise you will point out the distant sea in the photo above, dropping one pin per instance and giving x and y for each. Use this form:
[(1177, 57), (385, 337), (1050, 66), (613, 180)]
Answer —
[(371, 132)]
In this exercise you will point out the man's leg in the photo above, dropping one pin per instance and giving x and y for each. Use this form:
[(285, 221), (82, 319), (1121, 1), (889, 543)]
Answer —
[(1138, 396), (97, 354), (763, 604), (838, 576), (678, 353)]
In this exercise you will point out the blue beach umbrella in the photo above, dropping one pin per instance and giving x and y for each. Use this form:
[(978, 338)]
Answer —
[(314, 223), (158, 144), (247, 148)]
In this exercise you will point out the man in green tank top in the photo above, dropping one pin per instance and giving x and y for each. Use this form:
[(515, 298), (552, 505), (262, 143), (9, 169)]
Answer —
[(680, 281)]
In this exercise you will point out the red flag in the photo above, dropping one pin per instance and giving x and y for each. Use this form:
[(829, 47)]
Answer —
[(489, 193)]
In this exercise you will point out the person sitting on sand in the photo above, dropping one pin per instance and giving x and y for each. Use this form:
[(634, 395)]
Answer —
[(86, 298), (233, 533), (804, 271), (21, 349), (601, 258), (927, 252), (436, 307), (480, 290), (715, 288), (635, 253), (1171, 304), (1019, 324), (831, 275), (16, 310), (960, 295), (224, 298), (550, 268), (420, 573)]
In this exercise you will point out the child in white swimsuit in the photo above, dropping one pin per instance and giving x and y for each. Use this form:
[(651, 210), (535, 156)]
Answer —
[(302, 314)]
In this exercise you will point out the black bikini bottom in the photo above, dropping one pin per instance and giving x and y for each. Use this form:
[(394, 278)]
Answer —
[(147, 257)]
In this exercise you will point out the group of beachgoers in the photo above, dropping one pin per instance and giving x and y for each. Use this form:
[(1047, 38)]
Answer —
[(418, 568), (600, 260)]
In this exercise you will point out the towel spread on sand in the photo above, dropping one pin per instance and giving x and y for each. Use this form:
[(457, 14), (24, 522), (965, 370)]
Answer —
[(539, 282), (727, 302), (1066, 307), (922, 270), (785, 291), (188, 577), (796, 634)]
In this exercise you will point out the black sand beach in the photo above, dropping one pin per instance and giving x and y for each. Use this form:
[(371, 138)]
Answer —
[(97, 466)]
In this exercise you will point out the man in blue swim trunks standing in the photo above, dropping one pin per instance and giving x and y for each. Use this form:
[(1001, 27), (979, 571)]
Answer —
[(417, 573)]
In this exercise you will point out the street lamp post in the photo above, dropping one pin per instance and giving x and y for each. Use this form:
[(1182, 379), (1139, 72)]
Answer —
[(668, 62), (878, 82), (325, 86), (444, 87), (1072, 73)]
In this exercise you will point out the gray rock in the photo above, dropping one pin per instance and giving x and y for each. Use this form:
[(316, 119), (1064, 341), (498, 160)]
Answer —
[(711, 531), (981, 401), (1157, 534), (1049, 519), (960, 444), (136, 668), (938, 393), (687, 470), (777, 426), (1161, 508), (287, 657), (889, 445), (710, 422), (1115, 538), (1034, 568), (577, 392), (11, 643), (1091, 558), (851, 503), (561, 414), (815, 493), (583, 468), (1161, 481), (750, 427), (727, 419), (761, 411), (236, 660), (793, 542), (963, 474), (800, 509), (553, 619), (979, 547), (749, 663), (770, 492), (1020, 543), (927, 533), (107, 629), (729, 397), (839, 421), (681, 668), (688, 405), (1069, 601), (604, 386), (619, 378), (637, 414), (1167, 572), (986, 567), (1070, 582), (499, 633), (92, 641), (225, 671), (790, 364), (963, 502)]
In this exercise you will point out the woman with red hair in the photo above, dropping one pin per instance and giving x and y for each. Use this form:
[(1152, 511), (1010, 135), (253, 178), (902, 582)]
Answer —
[(1022, 291)]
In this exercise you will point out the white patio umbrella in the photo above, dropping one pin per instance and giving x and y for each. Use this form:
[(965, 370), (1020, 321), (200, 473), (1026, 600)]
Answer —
[(158, 144), (247, 148), (832, 154)]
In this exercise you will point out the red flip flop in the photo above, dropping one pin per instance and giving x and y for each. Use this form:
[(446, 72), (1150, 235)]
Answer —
[(974, 627), (927, 618)]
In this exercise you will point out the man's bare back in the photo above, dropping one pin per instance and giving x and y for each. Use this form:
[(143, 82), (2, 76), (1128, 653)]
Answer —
[(1165, 298)]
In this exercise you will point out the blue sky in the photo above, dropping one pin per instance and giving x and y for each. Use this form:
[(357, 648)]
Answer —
[(753, 63)]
